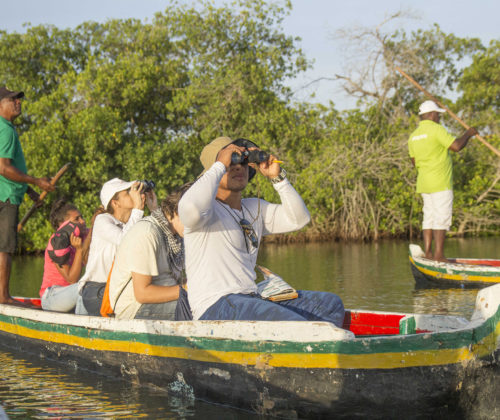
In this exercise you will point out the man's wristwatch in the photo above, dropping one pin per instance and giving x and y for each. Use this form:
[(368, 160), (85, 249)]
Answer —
[(281, 176)]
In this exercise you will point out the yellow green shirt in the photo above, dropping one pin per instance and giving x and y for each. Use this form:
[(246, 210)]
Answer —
[(428, 145)]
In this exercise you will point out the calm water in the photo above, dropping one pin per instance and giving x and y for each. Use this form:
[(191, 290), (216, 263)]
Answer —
[(366, 276)]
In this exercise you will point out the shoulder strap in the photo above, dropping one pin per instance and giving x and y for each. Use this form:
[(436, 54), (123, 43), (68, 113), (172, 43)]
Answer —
[(106, 309)]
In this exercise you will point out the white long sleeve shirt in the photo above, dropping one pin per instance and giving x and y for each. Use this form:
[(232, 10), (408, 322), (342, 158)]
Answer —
[(217, 260), (107, 234)]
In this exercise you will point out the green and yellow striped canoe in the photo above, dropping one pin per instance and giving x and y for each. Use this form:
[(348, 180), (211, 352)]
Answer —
[(458, 272), (379, 362)]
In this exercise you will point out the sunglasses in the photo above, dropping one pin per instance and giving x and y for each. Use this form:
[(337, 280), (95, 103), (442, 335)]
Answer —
[(250, 234)]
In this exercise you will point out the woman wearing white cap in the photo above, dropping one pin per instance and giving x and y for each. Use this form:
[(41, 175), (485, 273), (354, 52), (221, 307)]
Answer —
[(122, 207)]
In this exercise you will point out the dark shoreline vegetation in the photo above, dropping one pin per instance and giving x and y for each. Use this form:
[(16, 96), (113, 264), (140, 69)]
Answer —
[(139, 100)]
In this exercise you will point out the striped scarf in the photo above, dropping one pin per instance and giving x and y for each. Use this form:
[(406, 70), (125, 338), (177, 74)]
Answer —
[(173, 242)]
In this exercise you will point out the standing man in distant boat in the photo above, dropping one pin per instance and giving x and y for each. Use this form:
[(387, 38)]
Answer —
[(222, 234), (429, 147), (13, 180)]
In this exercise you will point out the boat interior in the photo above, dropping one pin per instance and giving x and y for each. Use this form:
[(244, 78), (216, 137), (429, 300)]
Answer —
[(373, 324), (469, 261)]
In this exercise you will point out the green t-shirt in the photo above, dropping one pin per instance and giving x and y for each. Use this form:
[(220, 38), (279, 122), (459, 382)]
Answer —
[(428, 145), (10, 147)]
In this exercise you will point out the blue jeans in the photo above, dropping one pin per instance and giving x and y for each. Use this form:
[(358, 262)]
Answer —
[(309, 306), (62, 299), (164, 310)]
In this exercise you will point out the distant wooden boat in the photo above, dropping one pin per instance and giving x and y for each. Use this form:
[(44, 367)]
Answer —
[(458, 272), (380, 365)]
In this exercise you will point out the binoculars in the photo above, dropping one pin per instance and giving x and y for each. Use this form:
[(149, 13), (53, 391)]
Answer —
[(249, 156), (147, 185)]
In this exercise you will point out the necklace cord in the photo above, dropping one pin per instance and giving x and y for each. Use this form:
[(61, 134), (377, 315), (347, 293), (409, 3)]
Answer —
[(246, 234)]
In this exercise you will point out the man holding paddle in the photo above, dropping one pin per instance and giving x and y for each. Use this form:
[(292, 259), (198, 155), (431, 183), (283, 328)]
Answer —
[(429, 147), (13, 180)]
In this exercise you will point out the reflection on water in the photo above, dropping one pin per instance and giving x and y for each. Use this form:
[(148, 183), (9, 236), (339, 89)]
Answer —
[(445, 301), (375, 276), (30, 391), (26, 275), (366, 276), (37, 390)]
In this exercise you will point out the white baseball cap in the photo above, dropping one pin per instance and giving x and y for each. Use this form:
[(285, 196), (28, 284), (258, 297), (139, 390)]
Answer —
[(110, 188), (429, 106)]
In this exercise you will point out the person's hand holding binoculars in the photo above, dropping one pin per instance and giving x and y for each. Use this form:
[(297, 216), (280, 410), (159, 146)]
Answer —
[(261, 161), (225, 155), (270, 168)]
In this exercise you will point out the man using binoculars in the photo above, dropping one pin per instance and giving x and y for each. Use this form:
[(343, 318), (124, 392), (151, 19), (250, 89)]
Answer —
[(222, 233)]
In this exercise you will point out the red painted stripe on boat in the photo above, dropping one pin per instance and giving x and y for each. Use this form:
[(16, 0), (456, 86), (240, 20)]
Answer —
[(365, 323), (33, 301), (488, 263)]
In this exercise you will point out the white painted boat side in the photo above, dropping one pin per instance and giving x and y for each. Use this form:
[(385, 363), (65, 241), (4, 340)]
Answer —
[(418, 255), (237, 330), (440, 323), (487, 302)]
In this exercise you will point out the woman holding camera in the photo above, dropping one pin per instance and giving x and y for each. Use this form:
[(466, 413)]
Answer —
[(122, 207)]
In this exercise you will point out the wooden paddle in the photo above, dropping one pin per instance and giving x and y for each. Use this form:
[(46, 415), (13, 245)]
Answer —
[(414, 83), (53, 181)]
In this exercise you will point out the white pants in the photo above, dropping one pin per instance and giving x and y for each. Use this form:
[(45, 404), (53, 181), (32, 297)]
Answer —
[(438, 208), (63, 299)]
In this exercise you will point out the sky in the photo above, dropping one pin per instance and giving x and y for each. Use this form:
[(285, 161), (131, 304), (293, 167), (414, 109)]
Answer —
[(314, 21)]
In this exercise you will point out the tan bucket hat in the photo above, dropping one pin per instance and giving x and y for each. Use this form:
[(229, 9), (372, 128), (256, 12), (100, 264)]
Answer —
[(209, 153)]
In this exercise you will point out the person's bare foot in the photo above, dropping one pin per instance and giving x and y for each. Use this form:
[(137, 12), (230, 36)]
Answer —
[(6, 300), (441, 259), (15, 302), (428, 256)]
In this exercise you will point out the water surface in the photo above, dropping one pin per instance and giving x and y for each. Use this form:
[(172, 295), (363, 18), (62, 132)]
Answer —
[(366, 276)]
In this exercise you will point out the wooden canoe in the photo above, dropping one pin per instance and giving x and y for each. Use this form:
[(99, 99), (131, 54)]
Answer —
[(380, 364), (458, 272)]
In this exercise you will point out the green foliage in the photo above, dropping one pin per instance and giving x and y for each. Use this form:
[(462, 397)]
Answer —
[(480, 87), (139, 100), (441, 63)]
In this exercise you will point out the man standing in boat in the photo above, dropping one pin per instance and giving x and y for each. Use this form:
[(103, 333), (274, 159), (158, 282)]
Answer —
[(429, 147), (13, 180), (222, 233)]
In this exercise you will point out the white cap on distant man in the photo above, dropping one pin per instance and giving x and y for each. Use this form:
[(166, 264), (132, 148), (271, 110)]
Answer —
[(429, 106), (110, 188)]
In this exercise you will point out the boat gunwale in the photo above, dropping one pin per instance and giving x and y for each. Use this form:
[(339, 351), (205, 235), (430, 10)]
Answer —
[(472, 334), (466, 273), (461, 268)]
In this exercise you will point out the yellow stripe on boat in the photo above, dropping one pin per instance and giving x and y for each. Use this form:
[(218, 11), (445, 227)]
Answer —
[(460, 277), (390, 360)]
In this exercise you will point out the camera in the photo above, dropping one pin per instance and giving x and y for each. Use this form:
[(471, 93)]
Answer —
[(147, 185), (249, 156)]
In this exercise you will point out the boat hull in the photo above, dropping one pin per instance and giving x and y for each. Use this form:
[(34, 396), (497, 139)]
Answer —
[(468, 273), (295, 392), (349, 377)]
